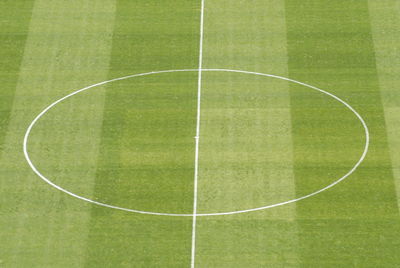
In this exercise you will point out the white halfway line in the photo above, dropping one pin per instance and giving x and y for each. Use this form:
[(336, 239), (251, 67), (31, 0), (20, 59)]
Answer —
[(195, 214), (197, 138)]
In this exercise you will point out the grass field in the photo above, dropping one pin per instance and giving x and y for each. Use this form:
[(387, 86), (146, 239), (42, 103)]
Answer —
[(200, 141)]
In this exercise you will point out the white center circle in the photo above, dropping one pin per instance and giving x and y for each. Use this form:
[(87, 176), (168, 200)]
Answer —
[(28, 131)]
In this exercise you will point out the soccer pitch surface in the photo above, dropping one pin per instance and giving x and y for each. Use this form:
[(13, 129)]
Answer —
[(201, 133)]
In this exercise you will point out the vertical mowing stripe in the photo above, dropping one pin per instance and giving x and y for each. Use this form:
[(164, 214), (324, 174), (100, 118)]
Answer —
[(15, 17), (14, 27), (246, 143), (68, 46), (385, 22), (355, 223), (146, 152)]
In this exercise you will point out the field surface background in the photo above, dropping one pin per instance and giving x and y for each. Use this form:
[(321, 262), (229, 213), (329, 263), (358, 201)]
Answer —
[(262, 140)]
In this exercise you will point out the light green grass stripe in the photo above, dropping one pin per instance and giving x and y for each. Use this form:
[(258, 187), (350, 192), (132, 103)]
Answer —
[(246, 119), (385, 22), (68, 47), (245, 139)]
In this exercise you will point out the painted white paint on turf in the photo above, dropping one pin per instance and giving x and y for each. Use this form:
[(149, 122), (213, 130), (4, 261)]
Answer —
[(197, 137), (44, 178)]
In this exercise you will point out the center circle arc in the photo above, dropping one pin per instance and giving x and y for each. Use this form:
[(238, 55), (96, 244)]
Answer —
[(47, 180)]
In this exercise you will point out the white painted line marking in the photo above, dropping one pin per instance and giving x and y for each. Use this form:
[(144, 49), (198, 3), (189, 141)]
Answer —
[(356, 165), (197, 138)]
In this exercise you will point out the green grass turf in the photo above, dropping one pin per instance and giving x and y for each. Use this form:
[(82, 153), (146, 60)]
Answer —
[(363, 221), (15, 18), (262, 141), (158, 122)]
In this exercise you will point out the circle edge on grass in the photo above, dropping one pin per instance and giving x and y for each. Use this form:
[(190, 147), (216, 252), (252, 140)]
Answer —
[(37, 172)]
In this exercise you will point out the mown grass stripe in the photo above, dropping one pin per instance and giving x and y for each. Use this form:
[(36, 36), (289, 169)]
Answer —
[(67, 47), (147, 146), (330, 46), (14, 27), (14, 24), (385, 24), (246, 143)]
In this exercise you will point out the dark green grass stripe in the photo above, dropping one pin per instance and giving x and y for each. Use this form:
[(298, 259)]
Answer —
[(147, 138), (356, 224), (152, 36), (14, 27)]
